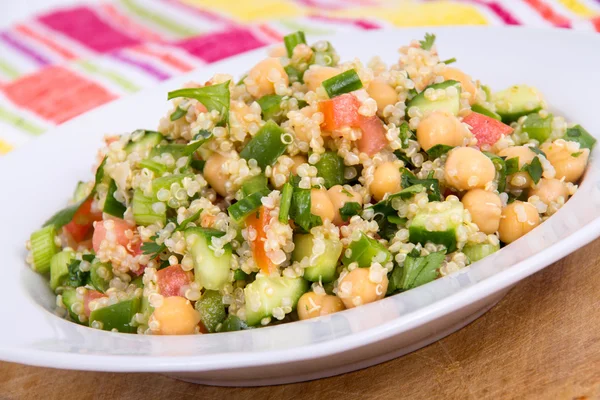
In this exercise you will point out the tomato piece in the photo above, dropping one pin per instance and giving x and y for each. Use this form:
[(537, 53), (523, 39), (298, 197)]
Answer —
[(81, 224), (373, 138), (171, 280), (119, 229), (339, 112), (258, 222), (89, 296), (487, 130)]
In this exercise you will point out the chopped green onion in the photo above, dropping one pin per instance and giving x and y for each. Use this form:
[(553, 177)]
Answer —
[(178, 113), (581, 136), (326, 56), (214, 97), (285, 202), (59, 268), (43, 248), (271, 107), (255, 184), (449, 61), (266, 146), (330, 167), (111, 205), (294, 75), (239, 210), (292, 40), (345, 82)]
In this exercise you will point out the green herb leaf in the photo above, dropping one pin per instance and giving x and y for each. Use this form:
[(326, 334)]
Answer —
[(534, 169), (76, 276), (432, 185), (178, 113), (428, 42), (300, 208), (285, 203), (438, 150), (577, 154), (581, 136), (153, 248), (420, 270), (500, 166), (214, 97), (385, 206), (189, 220), (449, 61), (405, 134), (512, 165), (349, 210), (537, 151)]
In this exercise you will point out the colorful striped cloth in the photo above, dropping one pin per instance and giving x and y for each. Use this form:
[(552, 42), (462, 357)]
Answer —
[(60, 64)]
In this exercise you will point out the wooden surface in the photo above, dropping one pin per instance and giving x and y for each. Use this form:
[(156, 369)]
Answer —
[(542, 341)]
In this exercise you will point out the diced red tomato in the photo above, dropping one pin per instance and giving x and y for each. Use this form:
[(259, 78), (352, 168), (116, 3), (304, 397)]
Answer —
[(487, 130), (120, 227), (342, 111), (89, 296), (171, 280), (81, 224), (373, 136), (258, 244)]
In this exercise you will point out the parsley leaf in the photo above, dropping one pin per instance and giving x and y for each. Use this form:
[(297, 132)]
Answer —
[(512, 165), (449, 61), (214, 97), (76, 276), (438, 150), (534, 169), (428, 42), (178, 113), (153, 248), (431, 184), (500, 166), (349, 210), (537, 151), (581, 136)]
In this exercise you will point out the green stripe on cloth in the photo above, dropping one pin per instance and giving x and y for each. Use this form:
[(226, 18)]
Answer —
[(296, 26), (166, 23), (111, 75), (19, 122), (8, 70)]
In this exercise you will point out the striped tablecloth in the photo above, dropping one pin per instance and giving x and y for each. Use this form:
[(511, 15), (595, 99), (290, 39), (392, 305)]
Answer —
[(60, 64)]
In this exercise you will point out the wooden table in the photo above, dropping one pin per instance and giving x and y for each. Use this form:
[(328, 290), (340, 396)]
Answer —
[(541, 341)]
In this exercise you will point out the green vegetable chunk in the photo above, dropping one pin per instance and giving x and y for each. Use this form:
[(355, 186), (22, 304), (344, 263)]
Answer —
[(212, 310), (214, 97), (285, 203), (581, 136), (118, 316), (43, 248), (449, 103), (59, 268), (538, 128), (266, 146), (69, 298), (267, 293), (476, 252), (239, 210), (232, 324), (437, 223), (418, 271), (478, 108), (271, 107), (365, 251), (101, 281), (143, 212), (346, 82), (255, 184), (322, 268), (331, 168), (111, 205), (211, 270), (516, 101), (292, 40)]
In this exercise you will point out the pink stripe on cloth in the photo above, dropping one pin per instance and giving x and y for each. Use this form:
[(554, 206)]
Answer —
[(217, 46), (360, 23), (497, 8), (83, 25)]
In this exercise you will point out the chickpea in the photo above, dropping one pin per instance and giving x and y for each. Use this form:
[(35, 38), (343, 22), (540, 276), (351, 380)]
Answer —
[(356, 288), (440, 128), (277, 51), (312, 305), (383, 94), (485, 208), (466, 82), (340, 195), (176, 316), (320, 204), (518, 218), (519, 180), (316, 74), (568, 162), (298, 161), (550, 191), (386, 179), (214, 175), (265, 74), (467, 168)]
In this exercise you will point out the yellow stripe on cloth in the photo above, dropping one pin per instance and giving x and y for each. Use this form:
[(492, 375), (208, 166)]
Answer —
[(4, 147), (247, 11), (578, 8), (424, 14)]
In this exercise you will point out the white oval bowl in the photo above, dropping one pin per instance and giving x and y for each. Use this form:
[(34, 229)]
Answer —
[(38, 179)]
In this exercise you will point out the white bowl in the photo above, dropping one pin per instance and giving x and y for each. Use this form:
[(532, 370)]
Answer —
[(37, 180)]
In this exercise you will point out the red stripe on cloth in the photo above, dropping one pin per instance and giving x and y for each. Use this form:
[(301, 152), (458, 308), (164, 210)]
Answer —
[(56, 94), (219, 45), (166, 58), (549, 14), (45, 40), (271, 33), (140, 31), (83, 25)]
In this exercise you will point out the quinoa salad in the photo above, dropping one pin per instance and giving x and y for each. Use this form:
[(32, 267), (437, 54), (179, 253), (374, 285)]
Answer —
[(307, 187)]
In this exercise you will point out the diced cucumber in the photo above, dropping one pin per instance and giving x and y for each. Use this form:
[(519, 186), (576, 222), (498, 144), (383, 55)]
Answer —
[(255, 184), (43, 248), (267, 293), (437, 223), (143, 213), (82, 191), (165, 182), (154, 166), (323, 267), (101, 281), (538, 128), (365, 251), (145, 144), (331, 168), (210, 271), (118, 316), (478, 108), (476, 252), (212, 310), (271, 107), (59, 268), (266, 146), (450, 103), (516, 101), (69, 297)]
